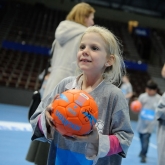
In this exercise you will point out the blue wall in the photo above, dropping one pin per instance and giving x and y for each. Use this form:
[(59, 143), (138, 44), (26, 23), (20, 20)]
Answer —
[(45, 51), (25, 47)]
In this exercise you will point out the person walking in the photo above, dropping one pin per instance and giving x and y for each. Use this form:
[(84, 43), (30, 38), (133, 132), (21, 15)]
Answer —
[(146, 120)]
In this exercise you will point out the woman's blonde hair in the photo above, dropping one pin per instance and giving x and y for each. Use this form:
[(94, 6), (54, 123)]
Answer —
[(115, 72), (80, 12)]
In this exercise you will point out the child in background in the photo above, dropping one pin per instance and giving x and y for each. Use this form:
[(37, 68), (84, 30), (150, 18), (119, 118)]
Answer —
[(126, 88), (146, 120), (99, 59)]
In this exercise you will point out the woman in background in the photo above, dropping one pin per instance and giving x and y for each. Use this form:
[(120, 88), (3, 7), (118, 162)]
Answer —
[(67, 37), (63, 63)]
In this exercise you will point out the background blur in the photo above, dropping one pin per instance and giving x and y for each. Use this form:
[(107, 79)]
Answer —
[(27, 30)]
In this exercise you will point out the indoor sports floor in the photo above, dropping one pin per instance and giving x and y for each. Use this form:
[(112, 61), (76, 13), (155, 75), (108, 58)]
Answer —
[(15, 134)]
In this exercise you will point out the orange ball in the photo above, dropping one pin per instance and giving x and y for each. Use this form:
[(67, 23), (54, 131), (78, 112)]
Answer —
[(74, 113), (136, 106)]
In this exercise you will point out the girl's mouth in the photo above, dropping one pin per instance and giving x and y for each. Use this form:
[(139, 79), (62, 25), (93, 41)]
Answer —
[(85, 60)]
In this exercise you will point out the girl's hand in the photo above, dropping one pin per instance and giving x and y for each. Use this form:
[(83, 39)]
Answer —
[(91, 148), (93, 137), (48, 116), (48, 112)]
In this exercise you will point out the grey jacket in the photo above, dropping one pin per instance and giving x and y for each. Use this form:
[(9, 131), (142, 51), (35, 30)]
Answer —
[(160, 116), (113, 116), (63, 63)]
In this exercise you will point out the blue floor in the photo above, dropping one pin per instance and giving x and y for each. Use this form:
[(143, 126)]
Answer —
[(133, 152), (15, 134)]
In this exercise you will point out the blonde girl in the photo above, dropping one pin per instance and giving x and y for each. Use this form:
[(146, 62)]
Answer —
[(99, 58)]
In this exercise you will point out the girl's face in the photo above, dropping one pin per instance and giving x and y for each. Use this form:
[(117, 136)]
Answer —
[(92, 55), (89, 21)]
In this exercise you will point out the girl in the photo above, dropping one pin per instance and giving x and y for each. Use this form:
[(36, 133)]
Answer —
[(101, 65)]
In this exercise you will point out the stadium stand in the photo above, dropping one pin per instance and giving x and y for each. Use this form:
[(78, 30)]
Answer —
[(27, 33)]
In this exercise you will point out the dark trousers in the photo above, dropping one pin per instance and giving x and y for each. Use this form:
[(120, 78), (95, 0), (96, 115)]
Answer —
[(144, 140)]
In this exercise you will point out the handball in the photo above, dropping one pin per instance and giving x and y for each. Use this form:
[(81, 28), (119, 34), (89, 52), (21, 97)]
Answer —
[(136, 106), (74, 113)]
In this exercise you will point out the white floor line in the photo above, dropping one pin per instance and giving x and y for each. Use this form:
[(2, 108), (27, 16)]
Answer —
[(15, 126)]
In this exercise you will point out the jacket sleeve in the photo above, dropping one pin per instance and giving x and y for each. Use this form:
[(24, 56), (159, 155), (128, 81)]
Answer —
[(40, 112), (44, 135), (123, 133), (120, 127), (160, 110), (122, 130)]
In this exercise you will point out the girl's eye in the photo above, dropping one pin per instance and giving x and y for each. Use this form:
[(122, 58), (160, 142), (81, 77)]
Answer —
[(95, 48), (82, 47)]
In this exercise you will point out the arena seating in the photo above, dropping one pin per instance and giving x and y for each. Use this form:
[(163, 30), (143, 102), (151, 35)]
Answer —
[(21, 69), (34, 25)]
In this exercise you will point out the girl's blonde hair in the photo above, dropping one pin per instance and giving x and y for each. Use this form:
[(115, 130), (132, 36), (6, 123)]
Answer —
[(80, 12), (115, 72)]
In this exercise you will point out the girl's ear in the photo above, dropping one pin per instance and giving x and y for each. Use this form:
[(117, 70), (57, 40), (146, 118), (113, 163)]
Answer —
[(110, 61)]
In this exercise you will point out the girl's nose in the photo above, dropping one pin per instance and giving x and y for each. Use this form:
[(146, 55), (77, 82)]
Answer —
[(85, 51)]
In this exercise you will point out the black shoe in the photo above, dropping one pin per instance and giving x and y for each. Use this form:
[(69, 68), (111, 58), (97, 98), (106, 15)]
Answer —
[(143, 159)]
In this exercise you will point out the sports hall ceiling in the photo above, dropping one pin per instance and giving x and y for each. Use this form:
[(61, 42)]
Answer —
[(155, 8)]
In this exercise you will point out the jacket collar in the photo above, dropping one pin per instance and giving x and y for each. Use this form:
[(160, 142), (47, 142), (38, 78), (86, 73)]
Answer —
[(75, 84)]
